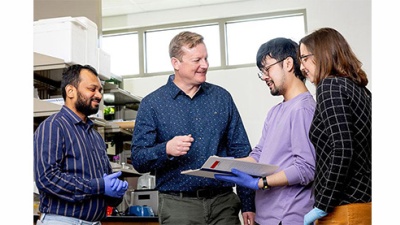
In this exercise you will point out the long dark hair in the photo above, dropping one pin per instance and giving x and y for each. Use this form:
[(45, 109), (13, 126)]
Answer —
[(333, 56)]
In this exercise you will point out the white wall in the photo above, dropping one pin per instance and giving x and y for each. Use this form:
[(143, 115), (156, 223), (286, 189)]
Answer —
[(350, 17)]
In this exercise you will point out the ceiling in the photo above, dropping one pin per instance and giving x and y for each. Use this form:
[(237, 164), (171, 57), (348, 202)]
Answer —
[(121, 7)]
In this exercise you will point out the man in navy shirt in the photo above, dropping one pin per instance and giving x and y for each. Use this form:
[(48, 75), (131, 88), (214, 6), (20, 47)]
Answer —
[(181, 124), (71, 165)]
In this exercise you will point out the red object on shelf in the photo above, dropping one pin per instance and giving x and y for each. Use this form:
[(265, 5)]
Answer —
[(109, 210)]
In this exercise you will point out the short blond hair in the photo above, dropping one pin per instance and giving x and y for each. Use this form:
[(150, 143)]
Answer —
[(185, 38)]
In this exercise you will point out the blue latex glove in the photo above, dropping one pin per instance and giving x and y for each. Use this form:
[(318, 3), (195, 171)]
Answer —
[(313, 215), (117, 186), (240, 178), (112, 184), (120, 187)]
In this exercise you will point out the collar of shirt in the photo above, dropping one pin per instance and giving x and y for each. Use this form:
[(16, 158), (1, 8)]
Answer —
[(174, 90), (75, 119)]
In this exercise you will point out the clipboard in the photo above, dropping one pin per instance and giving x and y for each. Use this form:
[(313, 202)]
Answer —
[(223, 165)]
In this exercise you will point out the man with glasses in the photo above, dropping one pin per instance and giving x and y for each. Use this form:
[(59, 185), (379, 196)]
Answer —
[(285, 196)]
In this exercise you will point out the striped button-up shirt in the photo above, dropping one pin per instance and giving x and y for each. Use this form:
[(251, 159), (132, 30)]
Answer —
[(70, 159)]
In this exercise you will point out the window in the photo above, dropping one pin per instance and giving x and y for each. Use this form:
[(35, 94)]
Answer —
[(144, 51), (245, 37), (124, 53)]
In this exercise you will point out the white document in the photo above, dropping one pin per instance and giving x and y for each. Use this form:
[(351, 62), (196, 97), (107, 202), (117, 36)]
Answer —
[(223, 165)]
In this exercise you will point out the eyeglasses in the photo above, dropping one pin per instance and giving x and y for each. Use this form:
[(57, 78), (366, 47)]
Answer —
[(303, 58), (264, 70)]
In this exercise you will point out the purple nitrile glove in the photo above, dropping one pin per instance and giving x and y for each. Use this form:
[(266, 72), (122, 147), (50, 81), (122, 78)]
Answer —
[(240, 178), (124, 187), (111, 184)]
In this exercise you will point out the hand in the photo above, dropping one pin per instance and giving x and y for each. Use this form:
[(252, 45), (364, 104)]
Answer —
[(248, 218), (121, 188), (119, 185), (179, 145), (240, 178), (113, 187), (313, 215)]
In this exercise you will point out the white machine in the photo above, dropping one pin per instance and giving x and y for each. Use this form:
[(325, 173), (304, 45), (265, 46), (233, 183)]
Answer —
[(145, 198)]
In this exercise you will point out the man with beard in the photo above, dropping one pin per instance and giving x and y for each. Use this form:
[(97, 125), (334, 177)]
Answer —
[(71, 167), (286, 196)]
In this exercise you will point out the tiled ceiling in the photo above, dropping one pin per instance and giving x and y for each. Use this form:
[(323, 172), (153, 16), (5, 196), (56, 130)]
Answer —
[(121, 7)]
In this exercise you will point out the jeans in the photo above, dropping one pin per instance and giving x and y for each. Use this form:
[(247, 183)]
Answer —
[(52, 219)]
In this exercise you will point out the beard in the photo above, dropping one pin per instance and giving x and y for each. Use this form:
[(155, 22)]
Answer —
[(84, 105), (278, 90), (275, 91)]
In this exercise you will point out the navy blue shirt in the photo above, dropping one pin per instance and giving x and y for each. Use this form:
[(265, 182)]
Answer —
[(70, 159), (211, 117)]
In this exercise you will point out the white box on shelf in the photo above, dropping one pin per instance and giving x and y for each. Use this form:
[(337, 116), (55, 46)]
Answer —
[(73, 39), (104, 60), (92, 42)]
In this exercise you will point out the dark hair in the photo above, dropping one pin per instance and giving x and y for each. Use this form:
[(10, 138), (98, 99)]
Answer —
[(280, 48), (185, 38), (71, 76), (333, 56)]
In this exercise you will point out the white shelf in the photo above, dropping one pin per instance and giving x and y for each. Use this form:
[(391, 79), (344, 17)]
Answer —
[(45, 62), (121, 97), (128, 170), (44, 108), (117, 96)]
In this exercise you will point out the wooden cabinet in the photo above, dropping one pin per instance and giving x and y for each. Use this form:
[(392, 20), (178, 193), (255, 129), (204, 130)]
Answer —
[(129, 223), (130, 220)]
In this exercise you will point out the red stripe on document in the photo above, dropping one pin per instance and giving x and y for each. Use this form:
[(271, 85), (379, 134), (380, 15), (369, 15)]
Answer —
[(215, 164)]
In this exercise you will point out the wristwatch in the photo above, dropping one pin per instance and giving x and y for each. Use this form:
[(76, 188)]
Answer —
[(265, 183)]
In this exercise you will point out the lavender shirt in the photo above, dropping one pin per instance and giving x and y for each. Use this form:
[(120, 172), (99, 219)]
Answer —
[(285, 142)]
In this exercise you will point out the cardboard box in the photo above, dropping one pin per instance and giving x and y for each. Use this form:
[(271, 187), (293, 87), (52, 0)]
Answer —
[(72, 39)]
